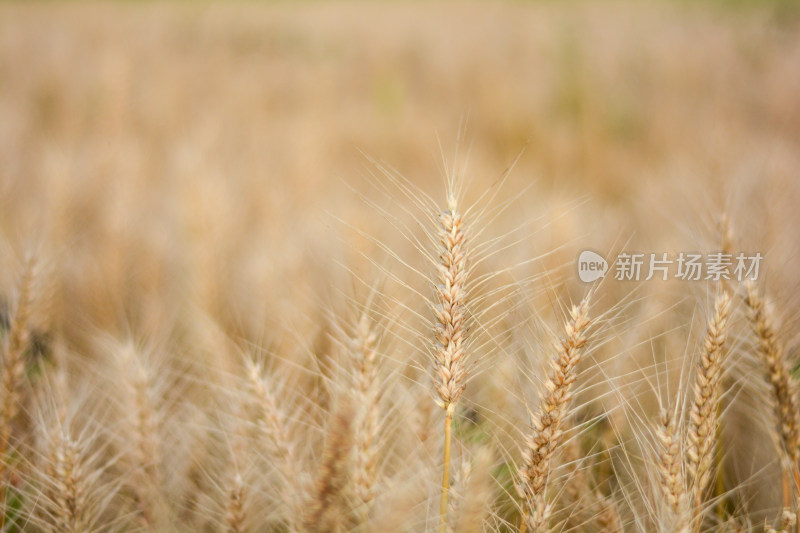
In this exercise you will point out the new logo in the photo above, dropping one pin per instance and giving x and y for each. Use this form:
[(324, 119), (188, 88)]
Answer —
[(591, 266)]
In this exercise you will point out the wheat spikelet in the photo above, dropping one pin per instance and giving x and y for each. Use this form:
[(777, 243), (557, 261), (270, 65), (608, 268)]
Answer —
[(770, 352), (703, 413), (546, 424), (325, 514)]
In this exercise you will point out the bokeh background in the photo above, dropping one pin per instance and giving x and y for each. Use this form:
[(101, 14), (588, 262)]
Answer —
[(215, 139)]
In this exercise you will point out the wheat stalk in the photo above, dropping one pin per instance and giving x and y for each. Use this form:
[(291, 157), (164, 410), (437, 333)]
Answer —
[(546, 424)]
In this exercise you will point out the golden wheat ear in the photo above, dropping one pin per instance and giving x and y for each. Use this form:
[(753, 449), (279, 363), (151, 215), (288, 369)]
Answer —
[(670, 469), (784, 389), (450, 357), (13, 345), (327, 511), (275, 438), (364, 356), (703, 415), (546, 433), (72, 482)]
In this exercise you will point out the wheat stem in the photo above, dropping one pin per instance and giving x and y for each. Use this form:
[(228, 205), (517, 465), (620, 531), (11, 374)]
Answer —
[(445, 474)]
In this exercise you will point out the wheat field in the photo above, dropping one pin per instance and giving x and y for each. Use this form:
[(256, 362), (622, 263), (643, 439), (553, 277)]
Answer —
[(314, 266)]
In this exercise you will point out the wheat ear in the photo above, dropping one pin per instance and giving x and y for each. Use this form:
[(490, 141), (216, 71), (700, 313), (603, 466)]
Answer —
[(546, 424), (364, 356), (271, 422), (703, 414), (68, 494), (271, 419), (237, 490), (776, 367), (450, 373), (13, 348), (324, 512), (670, 470), (146, 452)]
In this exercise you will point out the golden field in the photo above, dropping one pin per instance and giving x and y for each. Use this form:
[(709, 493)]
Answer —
[(251, 254)]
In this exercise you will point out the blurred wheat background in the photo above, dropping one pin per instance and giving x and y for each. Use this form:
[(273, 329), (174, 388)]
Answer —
[(216, 276)]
